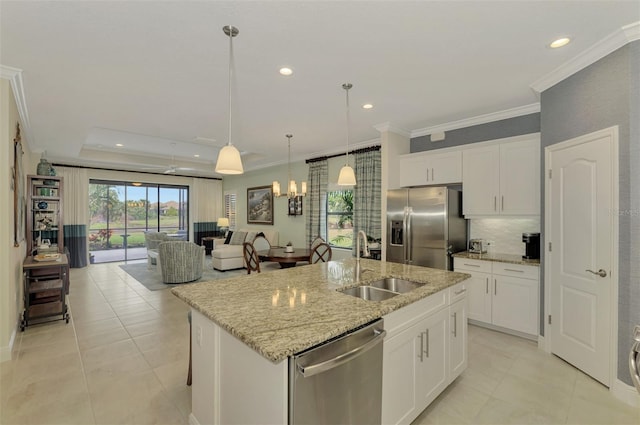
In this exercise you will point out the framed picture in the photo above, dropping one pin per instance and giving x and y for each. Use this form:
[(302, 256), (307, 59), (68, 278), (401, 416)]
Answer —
[(260, 205), (295, 206)]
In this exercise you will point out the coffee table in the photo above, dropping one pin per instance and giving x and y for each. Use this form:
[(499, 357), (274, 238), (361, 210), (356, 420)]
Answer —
[(286, 259)]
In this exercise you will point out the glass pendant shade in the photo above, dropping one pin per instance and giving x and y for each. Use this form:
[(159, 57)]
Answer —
[(276, 188), (347, 177), (229, 161)]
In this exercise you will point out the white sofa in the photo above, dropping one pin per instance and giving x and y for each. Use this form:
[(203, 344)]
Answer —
[(229, 256)]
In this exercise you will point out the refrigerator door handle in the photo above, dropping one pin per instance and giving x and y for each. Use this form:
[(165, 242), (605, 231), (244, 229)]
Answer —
[(408, 237)]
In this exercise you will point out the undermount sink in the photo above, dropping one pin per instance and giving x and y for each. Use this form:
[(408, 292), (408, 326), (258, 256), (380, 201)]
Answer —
[(393, 284), (382, 289), (369, 293)]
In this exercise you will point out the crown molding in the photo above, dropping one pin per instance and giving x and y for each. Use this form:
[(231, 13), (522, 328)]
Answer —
[(389, 127), (14, 75), (602, 48), (477, 120)]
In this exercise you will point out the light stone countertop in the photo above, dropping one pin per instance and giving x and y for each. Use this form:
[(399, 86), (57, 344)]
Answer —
[(286, 311), (502, 258)]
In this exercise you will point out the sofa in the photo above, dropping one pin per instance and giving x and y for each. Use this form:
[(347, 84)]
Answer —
[(228, 256)]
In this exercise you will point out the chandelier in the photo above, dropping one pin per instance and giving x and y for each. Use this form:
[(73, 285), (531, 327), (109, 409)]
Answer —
[(292, 187), (229, 161)]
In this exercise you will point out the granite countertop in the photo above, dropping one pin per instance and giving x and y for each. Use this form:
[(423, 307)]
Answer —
[(502, 258), (286, 311)]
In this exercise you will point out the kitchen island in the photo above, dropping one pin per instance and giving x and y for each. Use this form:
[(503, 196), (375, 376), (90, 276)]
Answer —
[(246, 328)]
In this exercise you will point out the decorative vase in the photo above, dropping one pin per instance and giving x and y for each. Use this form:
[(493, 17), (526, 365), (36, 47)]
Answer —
[(44, 168)]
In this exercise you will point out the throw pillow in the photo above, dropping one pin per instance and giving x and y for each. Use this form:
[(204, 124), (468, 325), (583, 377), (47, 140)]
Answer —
[(237, 238), (250, 236), (228, 238)]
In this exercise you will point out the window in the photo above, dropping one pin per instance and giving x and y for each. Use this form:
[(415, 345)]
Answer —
[(340, 218), (230, 208)]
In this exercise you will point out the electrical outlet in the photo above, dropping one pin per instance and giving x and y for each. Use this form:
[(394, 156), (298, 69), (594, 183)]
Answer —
[(199, 335)]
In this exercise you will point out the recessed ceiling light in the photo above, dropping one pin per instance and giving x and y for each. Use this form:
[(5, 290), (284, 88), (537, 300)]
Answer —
[(286, 71), (367, 106), (119, 145), (560, 42), (197, 155)]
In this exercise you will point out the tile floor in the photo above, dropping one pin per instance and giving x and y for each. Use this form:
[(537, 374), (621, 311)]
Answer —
[(123, 359)]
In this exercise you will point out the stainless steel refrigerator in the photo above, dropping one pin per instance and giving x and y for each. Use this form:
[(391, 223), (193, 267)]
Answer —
[(425, 226)]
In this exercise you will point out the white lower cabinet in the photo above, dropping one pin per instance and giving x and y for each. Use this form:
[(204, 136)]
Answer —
[(417, 362), (502, 294)]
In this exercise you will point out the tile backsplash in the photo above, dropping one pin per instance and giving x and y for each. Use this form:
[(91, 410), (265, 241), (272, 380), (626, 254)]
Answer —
[(504, 234)]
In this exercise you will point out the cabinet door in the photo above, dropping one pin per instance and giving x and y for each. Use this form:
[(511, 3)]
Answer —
[(478, 295), (481, 180), (515, 303), (433, 370), (458, 338), (413, 171), (399, 373), (520, 178)]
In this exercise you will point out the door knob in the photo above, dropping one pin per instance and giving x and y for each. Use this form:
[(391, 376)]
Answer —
[(600, 272)]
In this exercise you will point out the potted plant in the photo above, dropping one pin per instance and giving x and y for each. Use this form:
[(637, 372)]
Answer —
[(288, 247)]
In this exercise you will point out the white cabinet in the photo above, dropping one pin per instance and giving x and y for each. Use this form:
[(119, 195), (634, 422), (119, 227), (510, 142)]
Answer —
[(423, 353), (502, 179), (502, 294), (430, 168)]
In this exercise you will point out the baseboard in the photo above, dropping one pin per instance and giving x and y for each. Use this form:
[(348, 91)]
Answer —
[(193, 420), (625, 393), (6, 352), (503, 330)]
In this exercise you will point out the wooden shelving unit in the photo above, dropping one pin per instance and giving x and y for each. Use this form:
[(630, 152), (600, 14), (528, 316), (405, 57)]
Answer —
[(45, 213), (45, 289)]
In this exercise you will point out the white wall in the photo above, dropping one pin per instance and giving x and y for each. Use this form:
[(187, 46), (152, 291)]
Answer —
[(11, 257)]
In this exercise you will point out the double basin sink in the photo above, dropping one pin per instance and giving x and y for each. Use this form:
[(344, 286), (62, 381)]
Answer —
[(382, 289)]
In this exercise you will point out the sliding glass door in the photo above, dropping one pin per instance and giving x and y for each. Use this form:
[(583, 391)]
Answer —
[(121, 212)]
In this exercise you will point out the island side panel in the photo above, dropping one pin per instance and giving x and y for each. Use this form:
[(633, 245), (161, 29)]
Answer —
[(233, 384)]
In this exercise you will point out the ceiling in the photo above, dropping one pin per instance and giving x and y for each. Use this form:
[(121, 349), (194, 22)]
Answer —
[(153, 76)]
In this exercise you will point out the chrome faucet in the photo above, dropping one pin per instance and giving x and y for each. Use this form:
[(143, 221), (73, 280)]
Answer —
[(365, 246)]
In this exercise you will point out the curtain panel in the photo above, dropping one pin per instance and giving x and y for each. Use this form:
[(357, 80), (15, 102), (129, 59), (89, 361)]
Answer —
[(75, 201), (207, 207), (317, 200), (367, 195)]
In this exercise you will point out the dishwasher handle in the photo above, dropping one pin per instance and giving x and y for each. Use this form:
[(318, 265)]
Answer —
[(342, 358)]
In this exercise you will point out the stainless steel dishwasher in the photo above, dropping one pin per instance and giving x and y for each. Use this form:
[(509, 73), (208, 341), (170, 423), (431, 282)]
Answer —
[(340, 381)]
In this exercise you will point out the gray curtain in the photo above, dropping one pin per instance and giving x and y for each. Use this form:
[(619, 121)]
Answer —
[(317, 200), (367, 195)]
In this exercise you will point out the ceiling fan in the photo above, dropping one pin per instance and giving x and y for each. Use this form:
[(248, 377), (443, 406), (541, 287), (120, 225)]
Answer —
[(171, 168)]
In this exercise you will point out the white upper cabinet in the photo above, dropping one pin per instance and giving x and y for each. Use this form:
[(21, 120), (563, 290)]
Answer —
[(430, 168), (502, 179)]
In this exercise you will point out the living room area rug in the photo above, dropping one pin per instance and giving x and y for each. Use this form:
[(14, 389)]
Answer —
[(151, 278)]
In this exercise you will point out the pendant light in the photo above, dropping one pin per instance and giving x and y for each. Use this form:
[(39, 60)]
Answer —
[(292, 187), (229, 161), (347, 177)]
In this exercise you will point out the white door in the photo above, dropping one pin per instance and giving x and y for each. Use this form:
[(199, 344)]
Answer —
[(582, 223)]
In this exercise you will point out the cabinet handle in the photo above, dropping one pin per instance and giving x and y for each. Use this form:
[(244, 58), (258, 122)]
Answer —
[(514, 270), (433, 175), (495, 286), (462, 291), (421, 347), (487, 285), (471, 265), (426, 352), (427, 174), (495, 203), (502, 203), (455, 324)]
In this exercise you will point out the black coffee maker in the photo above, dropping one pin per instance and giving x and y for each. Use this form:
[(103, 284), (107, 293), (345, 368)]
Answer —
[(531, 246)]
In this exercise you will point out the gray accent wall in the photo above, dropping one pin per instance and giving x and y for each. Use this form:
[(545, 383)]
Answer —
[(525, 124), (606, 94)]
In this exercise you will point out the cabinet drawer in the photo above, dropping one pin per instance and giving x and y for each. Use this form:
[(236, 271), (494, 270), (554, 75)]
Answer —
[(516, 270), (401, 319), (472, 265), (457, 292)]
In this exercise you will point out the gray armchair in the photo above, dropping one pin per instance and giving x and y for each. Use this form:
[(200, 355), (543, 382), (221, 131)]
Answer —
[(152, 240), (181, 261)]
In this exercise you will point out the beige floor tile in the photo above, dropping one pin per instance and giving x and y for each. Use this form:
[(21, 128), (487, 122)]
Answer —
[(437, 414), (99, 356), (539, 366), (462, 400), (592, 403), (101, 376), (173, 375), (500, 412), (138, 317), (86, 329), (163, 355), (536, 397), (181, 398), (90, 341), (50, 335)]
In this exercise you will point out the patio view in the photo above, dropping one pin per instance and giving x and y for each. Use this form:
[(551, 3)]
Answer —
[(121, 212)]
